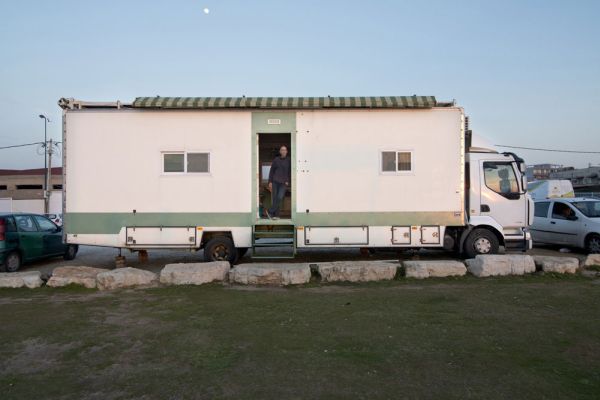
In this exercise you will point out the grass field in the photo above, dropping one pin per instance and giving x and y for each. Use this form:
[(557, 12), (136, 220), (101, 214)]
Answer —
[(506, 338)]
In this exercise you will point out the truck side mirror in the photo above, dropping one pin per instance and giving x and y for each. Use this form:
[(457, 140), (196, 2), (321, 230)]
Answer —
[(572, 218)]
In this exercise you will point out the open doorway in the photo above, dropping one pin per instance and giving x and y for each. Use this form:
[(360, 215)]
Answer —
[(268, 149)]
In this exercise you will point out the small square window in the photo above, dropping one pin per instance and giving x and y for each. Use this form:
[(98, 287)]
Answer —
[(404, 161), (396, 161), (173, 162), (388, 161), (198, 162)]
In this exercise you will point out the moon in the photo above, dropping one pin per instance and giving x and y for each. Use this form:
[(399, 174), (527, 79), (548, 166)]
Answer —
[(206, 10)]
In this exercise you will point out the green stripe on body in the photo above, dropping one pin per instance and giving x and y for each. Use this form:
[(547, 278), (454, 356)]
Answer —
[(111, 223)]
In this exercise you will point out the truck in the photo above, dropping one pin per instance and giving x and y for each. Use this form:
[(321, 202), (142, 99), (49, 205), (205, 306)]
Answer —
[(391, 172)]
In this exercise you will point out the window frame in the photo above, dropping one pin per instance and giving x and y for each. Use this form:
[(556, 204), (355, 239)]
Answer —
[(396, 151), (560, 217), (511, 195), (37, 229), (548, 208), (36, 219), (185, 162)]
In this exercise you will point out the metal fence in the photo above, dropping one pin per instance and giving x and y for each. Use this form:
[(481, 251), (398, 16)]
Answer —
[(594, 195)]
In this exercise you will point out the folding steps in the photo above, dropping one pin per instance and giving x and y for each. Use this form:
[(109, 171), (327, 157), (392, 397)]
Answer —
[(273, 241)]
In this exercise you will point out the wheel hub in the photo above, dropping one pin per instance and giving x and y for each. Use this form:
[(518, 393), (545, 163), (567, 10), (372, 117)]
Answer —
[(483, 245), (595, 245), (220, 253), (12, 262)]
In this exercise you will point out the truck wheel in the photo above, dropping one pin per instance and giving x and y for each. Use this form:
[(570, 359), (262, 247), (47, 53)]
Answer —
[(12, 262), (220, 248), (481, 241), (592, 244), (71, 252)]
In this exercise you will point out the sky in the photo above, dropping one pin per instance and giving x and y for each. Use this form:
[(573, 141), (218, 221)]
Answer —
[(526, 72)]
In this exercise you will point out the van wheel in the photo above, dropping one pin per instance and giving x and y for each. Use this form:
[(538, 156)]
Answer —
[(592, 244), (12, 262), (481, 241), (220, 248), (71, 252)]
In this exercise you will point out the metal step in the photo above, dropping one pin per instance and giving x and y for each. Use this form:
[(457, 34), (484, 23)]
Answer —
[(271, 240)]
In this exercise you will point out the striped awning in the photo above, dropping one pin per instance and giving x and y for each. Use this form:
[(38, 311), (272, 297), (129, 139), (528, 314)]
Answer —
[(285, 102)]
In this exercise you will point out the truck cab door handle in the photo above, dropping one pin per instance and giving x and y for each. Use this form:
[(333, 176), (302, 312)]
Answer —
[(484, 208), (553, 223)]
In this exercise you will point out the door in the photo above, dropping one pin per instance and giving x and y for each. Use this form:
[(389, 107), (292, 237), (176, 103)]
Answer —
[(30, 239), (541, 222), (51, 236), (501, 194), (565, 226)]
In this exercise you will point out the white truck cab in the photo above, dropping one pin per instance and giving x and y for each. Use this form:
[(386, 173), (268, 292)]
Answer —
[(499, 209)]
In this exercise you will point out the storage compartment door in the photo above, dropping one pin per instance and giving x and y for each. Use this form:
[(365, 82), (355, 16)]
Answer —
[(400, 234), (430, 235), (157, 236), (332, 236)]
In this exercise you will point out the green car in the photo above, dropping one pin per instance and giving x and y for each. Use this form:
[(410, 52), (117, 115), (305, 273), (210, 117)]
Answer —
[(29, 237)]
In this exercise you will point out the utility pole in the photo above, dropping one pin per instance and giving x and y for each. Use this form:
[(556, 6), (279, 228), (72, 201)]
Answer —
[(49, 176), (46, 120)]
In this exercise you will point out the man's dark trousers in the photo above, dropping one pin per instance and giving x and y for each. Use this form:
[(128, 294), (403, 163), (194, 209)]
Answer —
[(277, 195)]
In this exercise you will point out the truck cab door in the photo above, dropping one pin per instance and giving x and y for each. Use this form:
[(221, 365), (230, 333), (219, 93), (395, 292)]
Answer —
[(502, 197), (30, 239)]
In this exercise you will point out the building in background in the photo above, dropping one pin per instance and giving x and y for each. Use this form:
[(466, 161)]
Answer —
[(23, 190), (538, 172), (584, 180)]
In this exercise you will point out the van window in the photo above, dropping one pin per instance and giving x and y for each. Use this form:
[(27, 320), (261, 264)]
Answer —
[(590, 209), (396, 161), (541, 209), (501, 178), (562, 211)]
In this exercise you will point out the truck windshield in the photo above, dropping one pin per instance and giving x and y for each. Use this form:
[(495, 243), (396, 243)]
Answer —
[(590, 209)]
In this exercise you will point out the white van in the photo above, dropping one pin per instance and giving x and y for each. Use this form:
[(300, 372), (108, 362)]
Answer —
[(569, 222)]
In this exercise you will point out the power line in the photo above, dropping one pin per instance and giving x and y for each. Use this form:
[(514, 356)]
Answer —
[(552, 150), (24, 145), (21, 145)]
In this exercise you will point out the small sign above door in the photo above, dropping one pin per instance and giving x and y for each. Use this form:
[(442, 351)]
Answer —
[(274, 121)]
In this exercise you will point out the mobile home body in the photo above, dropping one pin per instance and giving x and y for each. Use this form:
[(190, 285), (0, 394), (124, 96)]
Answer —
[(366, 172)]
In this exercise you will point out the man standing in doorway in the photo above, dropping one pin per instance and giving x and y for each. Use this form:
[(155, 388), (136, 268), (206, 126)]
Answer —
[(279, 181)]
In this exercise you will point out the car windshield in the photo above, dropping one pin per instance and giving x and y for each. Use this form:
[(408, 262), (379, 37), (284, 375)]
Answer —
[(590, 209)]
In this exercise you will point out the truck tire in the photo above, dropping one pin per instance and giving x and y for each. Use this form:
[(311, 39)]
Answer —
[(12, 262), (592, 244), (220, 248), (481, 241), (71, 252)]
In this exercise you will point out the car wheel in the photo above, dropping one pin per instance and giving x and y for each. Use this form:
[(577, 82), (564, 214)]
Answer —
[(12, 262), (220, 248), (481, 241), (593, 244), (71, 252)]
